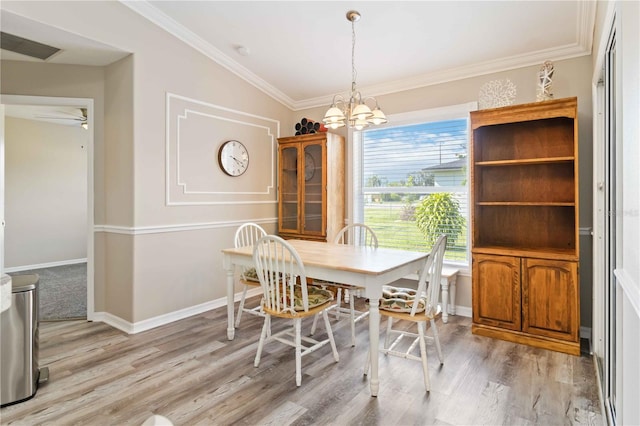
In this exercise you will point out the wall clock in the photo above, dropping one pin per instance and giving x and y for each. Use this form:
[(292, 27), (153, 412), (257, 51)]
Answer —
[(233, 158)]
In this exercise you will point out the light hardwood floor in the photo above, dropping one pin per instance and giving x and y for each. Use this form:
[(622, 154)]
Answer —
[(189, 372)]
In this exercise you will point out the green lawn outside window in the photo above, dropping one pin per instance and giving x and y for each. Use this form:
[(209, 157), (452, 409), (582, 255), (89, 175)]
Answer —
[(394, 232)]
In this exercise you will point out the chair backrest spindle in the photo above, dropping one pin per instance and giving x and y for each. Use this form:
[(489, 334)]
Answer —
[(281, 273), (247, 235), (357, 234), (431, 275)]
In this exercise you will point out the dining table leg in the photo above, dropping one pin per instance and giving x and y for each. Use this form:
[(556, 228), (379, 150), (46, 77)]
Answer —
[(228, 266), (444, 284), (374, 333)]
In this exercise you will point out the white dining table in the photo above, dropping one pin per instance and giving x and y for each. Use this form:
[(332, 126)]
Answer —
[(366, 267)]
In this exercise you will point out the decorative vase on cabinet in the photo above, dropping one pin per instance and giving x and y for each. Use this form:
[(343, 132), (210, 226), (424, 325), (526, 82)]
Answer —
[(525, 252), (311, 187)]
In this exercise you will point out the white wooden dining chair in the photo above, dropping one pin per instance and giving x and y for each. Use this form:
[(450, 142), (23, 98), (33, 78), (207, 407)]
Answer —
[(419, 306), (287, 295), (356, 234), (246, 235)]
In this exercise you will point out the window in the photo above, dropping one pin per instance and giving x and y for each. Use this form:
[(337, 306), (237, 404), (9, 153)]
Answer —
[(412, 181)]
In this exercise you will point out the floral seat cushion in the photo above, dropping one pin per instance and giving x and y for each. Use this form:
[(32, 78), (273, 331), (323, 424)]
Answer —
[(250, 274), (317, 296), (398, 299)]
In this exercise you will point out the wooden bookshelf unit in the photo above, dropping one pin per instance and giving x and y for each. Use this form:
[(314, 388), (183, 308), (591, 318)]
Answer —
[(525, 251)]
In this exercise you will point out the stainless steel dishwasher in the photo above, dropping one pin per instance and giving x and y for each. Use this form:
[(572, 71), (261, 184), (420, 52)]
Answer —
[(19, 373)]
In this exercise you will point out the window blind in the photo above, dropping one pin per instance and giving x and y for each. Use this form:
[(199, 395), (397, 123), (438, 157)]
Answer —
[(414, 185)]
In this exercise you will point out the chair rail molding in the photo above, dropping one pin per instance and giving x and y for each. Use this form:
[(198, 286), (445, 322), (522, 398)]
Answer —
[(179, 227)]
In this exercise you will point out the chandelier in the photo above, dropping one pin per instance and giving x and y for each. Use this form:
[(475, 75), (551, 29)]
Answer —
[(355, 113)]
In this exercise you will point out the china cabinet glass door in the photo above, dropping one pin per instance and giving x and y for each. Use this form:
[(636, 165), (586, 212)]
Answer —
[(313, 189), (311, 186), (289, 214)]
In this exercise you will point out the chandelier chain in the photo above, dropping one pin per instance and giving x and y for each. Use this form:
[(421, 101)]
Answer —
[(353, 57)]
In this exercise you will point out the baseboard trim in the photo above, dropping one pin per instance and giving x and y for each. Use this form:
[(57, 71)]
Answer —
[(45, 265), (133, 328), (585, 333), (464, 311), (160, 320)]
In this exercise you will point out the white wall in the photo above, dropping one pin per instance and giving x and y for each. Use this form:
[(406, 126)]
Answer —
[(45, 193), (628, 265), (624, 18)]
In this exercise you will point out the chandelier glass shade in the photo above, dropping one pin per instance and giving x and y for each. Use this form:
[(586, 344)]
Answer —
[(353, 112)]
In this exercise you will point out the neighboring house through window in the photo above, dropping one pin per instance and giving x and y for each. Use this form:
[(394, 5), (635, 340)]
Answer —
[(411, 180), (451, 173)]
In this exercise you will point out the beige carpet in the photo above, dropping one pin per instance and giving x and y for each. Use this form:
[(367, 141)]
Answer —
[(62, 291)]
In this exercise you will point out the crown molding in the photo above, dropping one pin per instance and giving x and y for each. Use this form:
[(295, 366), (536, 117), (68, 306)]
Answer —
[(586, 24), (479, 69), (584, 39), (179, 227), (146, 10)]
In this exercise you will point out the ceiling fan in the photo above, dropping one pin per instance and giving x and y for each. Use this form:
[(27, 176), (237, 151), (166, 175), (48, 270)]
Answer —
[(71, 116)]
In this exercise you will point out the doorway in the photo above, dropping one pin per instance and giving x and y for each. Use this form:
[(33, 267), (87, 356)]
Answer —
[(81, 103), (610, 226)]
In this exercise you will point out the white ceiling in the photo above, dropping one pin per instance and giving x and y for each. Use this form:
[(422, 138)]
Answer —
[(300, 51)]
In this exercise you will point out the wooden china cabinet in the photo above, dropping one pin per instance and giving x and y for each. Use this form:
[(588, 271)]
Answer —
[(525, 252), (311, 187)]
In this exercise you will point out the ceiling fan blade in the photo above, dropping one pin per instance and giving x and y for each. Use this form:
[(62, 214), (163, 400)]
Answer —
[(51, 117)]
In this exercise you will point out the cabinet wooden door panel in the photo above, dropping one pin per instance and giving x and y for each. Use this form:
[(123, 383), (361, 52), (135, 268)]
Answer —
[(496, 291), (550, 300)]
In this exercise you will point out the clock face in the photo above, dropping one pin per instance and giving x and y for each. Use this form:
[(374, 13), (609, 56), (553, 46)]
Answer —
[(233, 158)]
